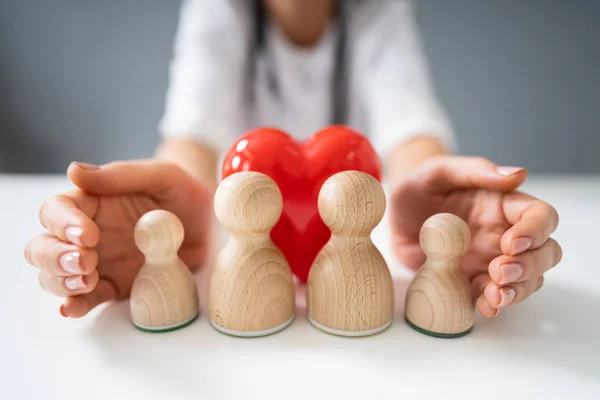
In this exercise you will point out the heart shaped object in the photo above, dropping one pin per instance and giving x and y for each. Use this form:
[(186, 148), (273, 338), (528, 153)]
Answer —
[(300, 169)]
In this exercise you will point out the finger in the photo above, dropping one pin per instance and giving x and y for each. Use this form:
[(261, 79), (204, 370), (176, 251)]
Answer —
[(66, 220), (153, 177), (79, 306), (525, 266), (485, 308), (58, 258), (479, 282), (70, 285), (411, 255), (446, 173), (503, 296), (534, 221)]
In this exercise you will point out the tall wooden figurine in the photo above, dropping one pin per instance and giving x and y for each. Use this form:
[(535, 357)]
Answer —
[(251, 289), (350, 289)]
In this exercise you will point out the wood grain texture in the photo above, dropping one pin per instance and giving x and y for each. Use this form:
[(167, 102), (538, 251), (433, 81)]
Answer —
[(164, 294), (439, 300), (350, 289), (251, 289)]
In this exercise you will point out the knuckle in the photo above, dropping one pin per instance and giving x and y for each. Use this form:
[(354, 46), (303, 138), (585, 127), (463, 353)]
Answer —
[(431, 170), (92, 281), (521, 292), (47, 207), (53, 284), (166, 169), (550, 217), (42, 210), (27, 253), (555, 217), (540, 283), (57, 199), (58, 286), (432, 162), (538, 257), (173, 169), (558, 252), (166, 165), (50, 261), (61, 199), (42, 281), (88, 260), (481, 160), (480, 283), (435, 170)]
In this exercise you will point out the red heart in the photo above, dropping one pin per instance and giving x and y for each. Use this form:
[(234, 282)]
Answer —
[(300, 169)]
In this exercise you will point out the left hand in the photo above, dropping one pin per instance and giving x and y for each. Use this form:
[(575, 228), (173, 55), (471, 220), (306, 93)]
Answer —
[(511, 248)]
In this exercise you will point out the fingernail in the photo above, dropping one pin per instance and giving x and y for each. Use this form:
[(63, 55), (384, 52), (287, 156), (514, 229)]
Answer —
[(75, 283), (507, 295), (74, 235), (70, 262), (61, 310), (508, 171), (86, 166), (521, 244), (510, 272)]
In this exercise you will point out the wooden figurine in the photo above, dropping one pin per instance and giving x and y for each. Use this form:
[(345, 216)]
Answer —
[(164, 295), (439, 301), (251, 290), (350, 288)]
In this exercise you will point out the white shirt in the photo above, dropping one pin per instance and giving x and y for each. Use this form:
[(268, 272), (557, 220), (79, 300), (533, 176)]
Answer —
[(391, 96)]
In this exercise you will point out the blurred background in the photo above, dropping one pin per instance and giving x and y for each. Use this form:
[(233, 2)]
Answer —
[(86, 80)]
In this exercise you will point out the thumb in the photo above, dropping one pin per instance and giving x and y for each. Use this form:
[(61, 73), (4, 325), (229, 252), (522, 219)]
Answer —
[(153, 177), (79, 306), (447, 173)]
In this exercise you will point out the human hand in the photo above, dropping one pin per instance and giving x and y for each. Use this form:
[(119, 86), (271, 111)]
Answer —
[(510, 248), (88, 254)]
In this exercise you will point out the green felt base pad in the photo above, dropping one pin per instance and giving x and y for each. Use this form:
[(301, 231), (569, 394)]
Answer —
[(437, 334)]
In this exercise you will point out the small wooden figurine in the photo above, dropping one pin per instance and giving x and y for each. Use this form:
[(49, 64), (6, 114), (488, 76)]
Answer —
[(164, 295), (439, 301), (251, 289), (350, 288)]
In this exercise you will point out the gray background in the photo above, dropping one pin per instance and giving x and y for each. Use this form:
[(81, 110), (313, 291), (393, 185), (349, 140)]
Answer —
[(86, 79)]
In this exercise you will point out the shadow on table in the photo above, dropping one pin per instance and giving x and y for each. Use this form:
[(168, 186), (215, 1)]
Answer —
[(556, 325)]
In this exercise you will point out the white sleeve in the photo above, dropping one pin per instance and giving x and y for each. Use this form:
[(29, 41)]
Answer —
[(399, 97), (204, 97)]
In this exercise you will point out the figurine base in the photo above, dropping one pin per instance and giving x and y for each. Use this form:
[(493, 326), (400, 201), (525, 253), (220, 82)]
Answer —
[(350, 333), (265, 332), (438, 334), (166, 328)]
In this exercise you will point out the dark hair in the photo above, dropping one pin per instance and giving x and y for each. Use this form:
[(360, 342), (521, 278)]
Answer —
[(257, 48)]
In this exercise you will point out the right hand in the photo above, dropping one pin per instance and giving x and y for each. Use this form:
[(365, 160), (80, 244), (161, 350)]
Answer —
[(88, 254)]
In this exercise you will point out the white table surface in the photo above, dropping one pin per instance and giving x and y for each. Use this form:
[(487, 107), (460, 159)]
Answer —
[(545, 348)]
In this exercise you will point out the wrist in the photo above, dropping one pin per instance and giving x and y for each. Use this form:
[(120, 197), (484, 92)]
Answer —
[(410, 154), (194, 157)]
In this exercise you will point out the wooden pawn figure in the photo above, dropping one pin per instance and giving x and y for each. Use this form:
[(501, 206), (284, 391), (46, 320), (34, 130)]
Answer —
[(350, 288), (164, 295), (251, 290), (439, 301)]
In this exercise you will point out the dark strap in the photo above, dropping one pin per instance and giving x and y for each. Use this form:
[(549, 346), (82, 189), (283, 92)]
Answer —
[(339, 90), (257, 48)]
